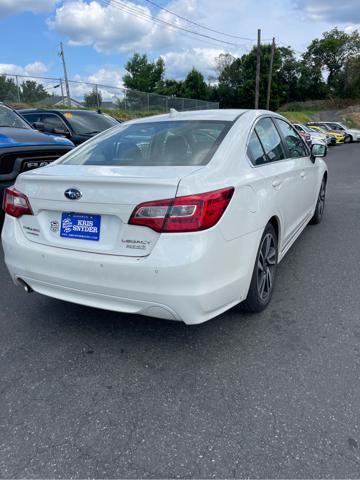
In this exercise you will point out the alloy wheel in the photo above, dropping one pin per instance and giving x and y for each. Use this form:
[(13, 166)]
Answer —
[(266, 266), (321, 199)]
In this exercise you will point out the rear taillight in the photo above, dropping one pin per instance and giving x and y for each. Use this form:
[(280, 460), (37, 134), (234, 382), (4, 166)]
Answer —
[(183, 214), (16, 203)]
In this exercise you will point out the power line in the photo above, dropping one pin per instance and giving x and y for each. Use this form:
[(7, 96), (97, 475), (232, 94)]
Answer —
[(142, 15), (289, 46), (198, 24)]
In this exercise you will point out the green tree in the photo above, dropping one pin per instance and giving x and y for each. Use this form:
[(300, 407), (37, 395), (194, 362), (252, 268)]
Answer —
[(170, 88), (8, 89), (352, 77), (311, 84), (144, 75), (93, 98), (194, 86), (236, 83), (330, 54), (32, 92)]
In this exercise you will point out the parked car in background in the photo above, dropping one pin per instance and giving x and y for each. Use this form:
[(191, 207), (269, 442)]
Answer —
[(77, 125), (22, 148), (315, 136), (339, 137), (178, 216), (352, 134), (306, 136)]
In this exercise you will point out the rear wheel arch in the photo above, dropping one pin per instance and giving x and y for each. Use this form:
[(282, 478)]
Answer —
[(275, 222)]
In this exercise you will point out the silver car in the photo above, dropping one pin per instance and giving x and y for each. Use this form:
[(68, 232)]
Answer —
[(315, 137)]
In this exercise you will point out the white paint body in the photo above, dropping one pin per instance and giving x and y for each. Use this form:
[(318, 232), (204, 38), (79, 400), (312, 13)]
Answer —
[(190, 277)]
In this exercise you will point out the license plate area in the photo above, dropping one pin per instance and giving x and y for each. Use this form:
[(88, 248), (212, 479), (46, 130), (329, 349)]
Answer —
[(80, 225)]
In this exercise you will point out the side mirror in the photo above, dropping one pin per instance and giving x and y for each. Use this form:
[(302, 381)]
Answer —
[(39, 126), (318, 150)]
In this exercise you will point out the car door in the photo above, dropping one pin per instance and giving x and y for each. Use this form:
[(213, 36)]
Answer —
[(282, 177), (303, 165)]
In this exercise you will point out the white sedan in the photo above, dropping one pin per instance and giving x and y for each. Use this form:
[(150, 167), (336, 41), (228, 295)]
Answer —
[(179, 216)]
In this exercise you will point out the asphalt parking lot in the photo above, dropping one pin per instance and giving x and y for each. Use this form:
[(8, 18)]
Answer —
[(88, 393)]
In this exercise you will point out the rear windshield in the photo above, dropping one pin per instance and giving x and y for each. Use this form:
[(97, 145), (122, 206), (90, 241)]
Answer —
[(173, 143)]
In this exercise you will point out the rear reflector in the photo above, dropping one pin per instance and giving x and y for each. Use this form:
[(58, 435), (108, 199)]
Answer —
[(16, 203), (183, 214)]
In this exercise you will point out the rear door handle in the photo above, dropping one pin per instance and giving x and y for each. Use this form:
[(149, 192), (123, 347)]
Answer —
[(276, 183), (302, 174)]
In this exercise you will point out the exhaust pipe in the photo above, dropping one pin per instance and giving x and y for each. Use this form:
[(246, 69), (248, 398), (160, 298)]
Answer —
[(25, 286)]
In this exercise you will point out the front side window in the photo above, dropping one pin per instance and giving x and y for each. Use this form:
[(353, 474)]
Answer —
[(295, 145), (167, 143), (270, 140), (335, 126), (52, 122)]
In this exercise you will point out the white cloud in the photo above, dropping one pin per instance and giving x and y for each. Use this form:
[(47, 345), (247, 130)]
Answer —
[(109, 81), (179, 63), (110, 28), (12, 7), (352, 28), (107, 75), (331, 10), (36, 68)]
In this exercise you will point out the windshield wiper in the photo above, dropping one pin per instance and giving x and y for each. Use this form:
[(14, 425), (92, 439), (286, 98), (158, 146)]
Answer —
[(91, 133)]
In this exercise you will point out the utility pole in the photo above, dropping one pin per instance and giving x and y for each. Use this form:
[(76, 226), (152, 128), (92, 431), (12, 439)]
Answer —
[(65, 75), (257, 80), (270, 74), (97, 97), (62, 91), (17, 88)]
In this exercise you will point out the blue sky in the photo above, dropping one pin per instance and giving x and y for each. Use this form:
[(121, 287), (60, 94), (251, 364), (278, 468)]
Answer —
[(99, 36)]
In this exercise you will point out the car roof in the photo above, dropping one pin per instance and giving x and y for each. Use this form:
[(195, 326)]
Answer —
[(229, 115), (58, 110)]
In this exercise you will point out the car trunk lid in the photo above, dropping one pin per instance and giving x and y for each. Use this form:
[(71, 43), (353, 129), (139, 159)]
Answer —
[(97, 221)]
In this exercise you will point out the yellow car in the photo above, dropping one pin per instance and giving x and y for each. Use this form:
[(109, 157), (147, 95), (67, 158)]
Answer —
[(339, 137)]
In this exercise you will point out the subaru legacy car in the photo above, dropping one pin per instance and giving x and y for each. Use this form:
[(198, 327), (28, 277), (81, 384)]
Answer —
[(77, 125), (23, 148), (180, 216)]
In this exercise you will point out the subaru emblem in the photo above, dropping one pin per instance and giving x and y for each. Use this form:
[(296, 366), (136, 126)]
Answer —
[(72, 194)]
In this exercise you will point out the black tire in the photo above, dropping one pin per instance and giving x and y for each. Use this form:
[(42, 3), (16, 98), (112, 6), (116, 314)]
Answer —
[(320, 204), (263, 277), (348, 139)]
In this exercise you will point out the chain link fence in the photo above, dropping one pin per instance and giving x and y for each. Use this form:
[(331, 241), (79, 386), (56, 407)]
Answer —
[(48, 92)]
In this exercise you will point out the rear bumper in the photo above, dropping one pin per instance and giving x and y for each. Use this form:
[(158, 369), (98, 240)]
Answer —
[(187, 277)]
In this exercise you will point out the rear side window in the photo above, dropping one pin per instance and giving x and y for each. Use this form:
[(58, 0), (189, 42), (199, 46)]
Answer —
[(255, 150), (270, 140), (294, 143), (167, 143)]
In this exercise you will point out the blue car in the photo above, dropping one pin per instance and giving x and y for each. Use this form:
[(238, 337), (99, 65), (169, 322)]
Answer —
[(22, 148)]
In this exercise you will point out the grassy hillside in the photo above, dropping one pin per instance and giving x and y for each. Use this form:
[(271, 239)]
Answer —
[(298, 117)]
